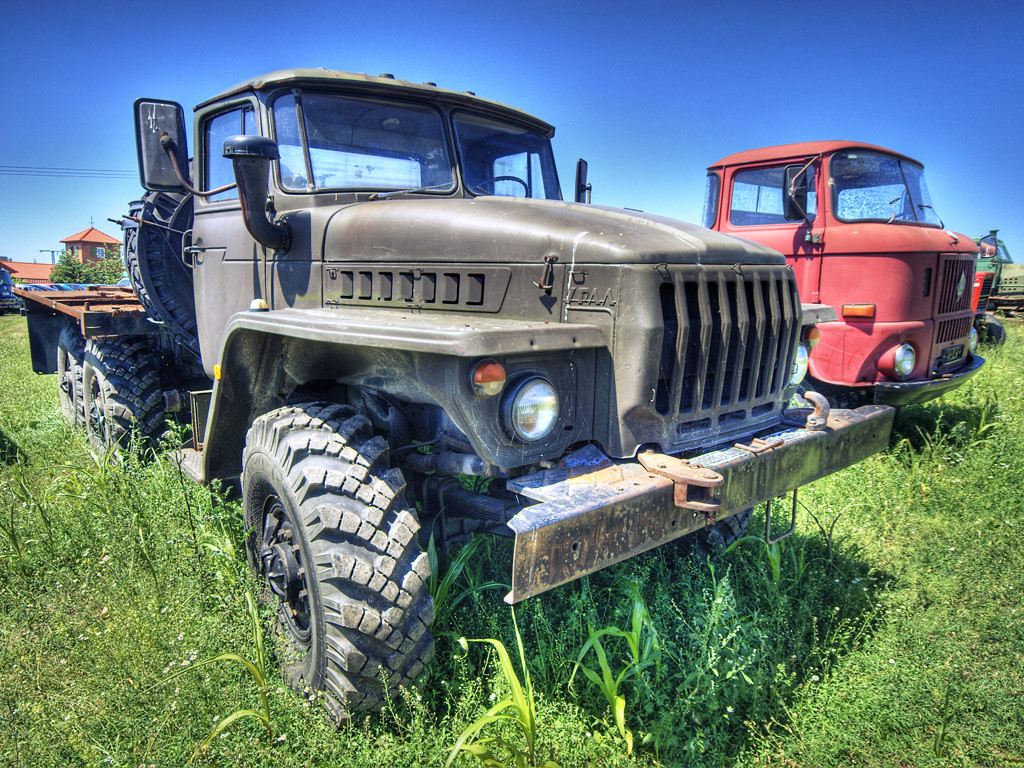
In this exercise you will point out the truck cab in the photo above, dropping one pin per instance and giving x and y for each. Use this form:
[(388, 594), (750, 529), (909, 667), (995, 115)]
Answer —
[(856, 223)]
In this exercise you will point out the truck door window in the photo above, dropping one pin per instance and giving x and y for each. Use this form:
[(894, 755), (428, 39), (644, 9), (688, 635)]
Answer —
[(360, 144), (757, 197), (219, 171), (502, 159)]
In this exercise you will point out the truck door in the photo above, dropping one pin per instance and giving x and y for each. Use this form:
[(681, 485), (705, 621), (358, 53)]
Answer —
[(756, 209), (228, 265)]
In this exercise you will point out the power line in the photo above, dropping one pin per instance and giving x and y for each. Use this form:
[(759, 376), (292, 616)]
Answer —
[(65, 173)]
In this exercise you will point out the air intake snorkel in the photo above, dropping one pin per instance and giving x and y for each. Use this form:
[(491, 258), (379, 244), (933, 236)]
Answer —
[(250, 156)]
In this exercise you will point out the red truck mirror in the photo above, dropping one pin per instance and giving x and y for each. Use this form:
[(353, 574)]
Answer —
[(161, 142), (795, 186)]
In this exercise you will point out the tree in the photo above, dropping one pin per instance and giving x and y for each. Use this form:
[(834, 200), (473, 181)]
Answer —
[(107, 271), (70, 270), (110, 269)]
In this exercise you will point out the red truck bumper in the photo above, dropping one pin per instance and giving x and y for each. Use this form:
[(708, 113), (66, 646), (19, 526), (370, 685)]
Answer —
[(910, 392)]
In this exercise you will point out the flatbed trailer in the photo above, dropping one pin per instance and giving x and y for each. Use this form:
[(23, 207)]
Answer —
[(103, 312)]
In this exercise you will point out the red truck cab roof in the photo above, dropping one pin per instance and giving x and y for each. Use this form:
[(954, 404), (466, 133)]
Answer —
[(801, 149)]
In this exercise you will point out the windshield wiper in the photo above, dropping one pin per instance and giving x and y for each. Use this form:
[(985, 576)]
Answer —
[(925, 205), (410, 191)]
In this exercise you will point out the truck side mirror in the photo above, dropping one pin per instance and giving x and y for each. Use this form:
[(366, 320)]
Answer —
[(582, 187), (795, 193), (250, 157), (159, 135)]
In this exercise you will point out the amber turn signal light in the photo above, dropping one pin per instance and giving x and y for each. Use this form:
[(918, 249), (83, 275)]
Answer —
[(488, 378), (859, 310), (812, 336)]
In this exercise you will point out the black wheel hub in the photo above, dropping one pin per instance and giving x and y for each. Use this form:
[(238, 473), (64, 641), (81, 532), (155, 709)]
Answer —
[(281, 567), (281, 564)]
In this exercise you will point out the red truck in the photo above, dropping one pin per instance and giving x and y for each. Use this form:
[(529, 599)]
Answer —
[(855, 221)]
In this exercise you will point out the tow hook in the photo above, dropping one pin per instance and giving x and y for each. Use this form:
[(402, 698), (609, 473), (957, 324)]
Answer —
[(694, 485), (819, 416)]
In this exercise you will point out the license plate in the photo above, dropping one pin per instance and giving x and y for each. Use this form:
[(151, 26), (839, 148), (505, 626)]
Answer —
[(949, 354)]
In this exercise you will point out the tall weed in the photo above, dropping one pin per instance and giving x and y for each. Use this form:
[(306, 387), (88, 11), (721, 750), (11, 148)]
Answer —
[(523, 714)]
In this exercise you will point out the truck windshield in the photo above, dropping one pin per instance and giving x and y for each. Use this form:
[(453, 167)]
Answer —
[(5, 278), (872, 187), (360, 143), (503, 159)]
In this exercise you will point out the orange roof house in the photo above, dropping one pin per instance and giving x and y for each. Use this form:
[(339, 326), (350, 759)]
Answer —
[(26, 272), (89, 245)]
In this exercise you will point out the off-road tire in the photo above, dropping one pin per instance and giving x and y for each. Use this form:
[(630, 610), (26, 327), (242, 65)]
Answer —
[(995, 332), (355, 617), (714, 539), (121, 393), (70, 351), (153, 255)]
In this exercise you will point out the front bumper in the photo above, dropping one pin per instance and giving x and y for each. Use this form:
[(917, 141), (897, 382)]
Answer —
[(594, 513), (911, 392)]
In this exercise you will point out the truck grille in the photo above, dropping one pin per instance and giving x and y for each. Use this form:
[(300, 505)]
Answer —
[(952, 330), (986, 291), (954, 315), (726, 350), (956, 280)]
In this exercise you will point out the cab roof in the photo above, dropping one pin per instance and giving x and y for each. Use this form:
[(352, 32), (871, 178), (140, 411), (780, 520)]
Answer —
[(801, 150), (381, 84)]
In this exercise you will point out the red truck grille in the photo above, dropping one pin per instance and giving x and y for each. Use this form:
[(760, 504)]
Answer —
[(952, 330), (727, 347), (954, 313), (956, 279), (986, 291)]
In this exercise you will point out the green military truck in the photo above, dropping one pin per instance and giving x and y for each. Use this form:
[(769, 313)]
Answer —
[(362, 291), (1006, 282)]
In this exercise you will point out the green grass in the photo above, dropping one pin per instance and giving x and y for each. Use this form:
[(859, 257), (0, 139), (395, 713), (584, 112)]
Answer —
[(898, 640)]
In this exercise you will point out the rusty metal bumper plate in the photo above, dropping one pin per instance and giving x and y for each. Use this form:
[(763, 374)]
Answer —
[(593, 513)]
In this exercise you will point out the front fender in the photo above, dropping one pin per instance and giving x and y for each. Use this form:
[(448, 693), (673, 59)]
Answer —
[(414, 357)]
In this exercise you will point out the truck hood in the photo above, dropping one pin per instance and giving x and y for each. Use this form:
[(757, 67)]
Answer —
[(515, 230)]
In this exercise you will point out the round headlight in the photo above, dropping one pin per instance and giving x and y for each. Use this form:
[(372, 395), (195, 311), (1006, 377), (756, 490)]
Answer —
[(972, 343), (904, 361), (532, 409), (799, 365)]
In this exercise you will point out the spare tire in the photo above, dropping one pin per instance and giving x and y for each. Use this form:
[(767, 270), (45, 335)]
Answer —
[(153, 236)]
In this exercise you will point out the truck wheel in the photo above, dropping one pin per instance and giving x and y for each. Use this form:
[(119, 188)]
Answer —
[(331, 534), (714, 539), (70, 348), (121, 392), (995, 332)]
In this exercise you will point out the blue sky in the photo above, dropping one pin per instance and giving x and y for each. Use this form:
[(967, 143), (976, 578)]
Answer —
[(649, 93)]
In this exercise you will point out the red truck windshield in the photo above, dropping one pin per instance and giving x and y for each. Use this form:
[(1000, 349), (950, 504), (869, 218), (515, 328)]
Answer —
[(873, 187)]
